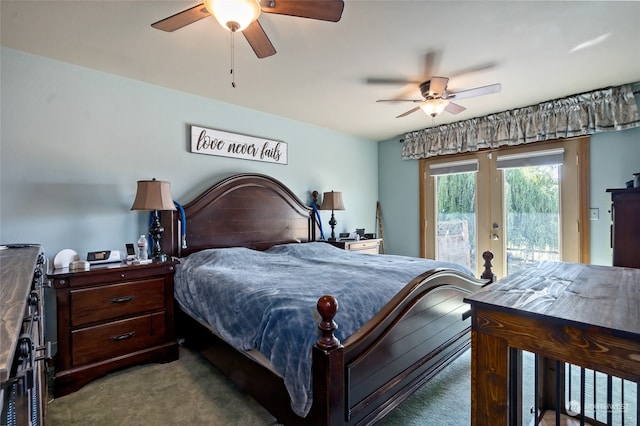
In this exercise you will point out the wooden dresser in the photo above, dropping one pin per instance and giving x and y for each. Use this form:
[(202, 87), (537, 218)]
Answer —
[(23, 387), (625, 227), (111, 317)]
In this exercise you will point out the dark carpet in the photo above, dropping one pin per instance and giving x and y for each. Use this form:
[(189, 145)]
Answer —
[(191, 391)]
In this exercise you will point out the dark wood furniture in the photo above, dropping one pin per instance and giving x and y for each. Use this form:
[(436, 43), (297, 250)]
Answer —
[(358, 380), (110, 317), (23, 394), (585, 315), (625, 229)]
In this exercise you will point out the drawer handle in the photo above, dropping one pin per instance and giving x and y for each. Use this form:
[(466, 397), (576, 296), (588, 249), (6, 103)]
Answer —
[(124, 336), (123, 299)]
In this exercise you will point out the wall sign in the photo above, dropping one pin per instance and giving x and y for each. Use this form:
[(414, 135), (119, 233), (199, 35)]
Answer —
[(225, 144)]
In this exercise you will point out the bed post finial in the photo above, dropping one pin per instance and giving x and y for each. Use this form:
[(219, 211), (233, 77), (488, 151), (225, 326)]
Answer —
[(327, 308), (488, 273)]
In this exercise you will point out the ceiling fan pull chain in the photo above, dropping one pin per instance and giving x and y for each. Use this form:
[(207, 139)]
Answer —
[(233, 75)]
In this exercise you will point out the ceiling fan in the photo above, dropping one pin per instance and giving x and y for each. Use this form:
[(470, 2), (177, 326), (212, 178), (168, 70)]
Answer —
[(242, 15), (436, 98)]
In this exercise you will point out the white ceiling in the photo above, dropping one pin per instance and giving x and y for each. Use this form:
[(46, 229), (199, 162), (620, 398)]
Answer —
[(537, 50)]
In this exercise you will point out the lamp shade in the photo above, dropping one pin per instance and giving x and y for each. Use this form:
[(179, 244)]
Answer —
[(332, 201), (153, 195), (234, 15), (434, 107)]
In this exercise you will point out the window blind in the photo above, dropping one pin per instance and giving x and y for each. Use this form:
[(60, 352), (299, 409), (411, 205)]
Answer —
[(538, 158), (464, 166)]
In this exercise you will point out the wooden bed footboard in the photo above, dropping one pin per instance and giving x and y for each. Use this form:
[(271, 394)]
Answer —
[(421, 331)]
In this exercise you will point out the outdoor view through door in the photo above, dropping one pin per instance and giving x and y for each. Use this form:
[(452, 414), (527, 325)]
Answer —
[(455, 220), (532, 210), (521, 203)]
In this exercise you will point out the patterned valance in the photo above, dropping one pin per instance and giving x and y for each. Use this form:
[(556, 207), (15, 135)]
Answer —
[(609, 109)]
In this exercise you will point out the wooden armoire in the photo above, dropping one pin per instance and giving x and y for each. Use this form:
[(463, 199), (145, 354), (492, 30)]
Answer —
[(625, 227)]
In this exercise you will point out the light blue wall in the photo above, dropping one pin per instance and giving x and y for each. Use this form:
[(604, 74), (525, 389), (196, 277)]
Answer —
[(398, 196), (74, 141), (615, 156)]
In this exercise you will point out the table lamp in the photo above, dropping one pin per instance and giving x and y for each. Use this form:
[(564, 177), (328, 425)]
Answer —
[(154, 195), (332, 201)]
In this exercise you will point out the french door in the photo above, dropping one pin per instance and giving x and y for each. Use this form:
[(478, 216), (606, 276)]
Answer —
[(525, 204)]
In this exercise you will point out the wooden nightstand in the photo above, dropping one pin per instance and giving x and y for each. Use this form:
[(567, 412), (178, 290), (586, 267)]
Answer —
[(111, 317), (362, 246)]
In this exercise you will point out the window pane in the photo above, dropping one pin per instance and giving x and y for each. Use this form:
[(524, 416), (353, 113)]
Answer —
[(532, 214), (456, 218)]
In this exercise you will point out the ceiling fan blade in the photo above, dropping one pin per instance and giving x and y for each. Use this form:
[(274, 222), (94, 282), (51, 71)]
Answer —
[(400, 100), (324, 10), (430, 63), (454, 108), (437, 86), (411, 111), (473, 69), (375, 80), (478, 91), (181, 19), (258, 40)]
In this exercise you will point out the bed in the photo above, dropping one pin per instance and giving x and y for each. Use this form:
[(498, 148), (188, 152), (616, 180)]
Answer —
[(355, 346)]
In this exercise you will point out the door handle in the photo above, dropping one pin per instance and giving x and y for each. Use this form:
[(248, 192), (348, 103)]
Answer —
[(495, 236)]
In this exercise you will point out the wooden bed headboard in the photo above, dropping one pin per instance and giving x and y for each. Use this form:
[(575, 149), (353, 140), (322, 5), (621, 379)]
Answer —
[(243, 210)]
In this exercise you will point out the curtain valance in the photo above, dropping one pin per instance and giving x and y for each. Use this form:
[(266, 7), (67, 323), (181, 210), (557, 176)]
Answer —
[(609, 109)]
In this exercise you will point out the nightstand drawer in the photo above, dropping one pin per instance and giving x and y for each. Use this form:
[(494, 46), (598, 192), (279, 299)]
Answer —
[(364, 246), (91, 305), (102, 342)]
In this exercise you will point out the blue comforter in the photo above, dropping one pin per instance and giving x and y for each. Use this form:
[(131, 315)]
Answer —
[(267, 300)]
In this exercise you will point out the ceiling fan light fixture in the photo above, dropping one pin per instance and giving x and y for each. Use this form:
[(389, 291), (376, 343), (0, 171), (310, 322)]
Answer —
[(234, 15), (434, 107)]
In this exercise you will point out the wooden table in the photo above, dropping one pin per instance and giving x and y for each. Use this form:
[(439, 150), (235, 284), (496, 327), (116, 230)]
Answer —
[(585, 315)]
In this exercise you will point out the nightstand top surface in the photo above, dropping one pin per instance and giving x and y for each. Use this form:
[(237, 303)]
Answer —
[(106, 267)]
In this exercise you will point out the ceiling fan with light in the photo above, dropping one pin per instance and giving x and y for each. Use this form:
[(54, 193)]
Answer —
[(436, 98), (242, 16)]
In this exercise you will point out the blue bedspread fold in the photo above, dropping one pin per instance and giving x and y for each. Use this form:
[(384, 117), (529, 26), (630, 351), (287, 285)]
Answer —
[(267, 300)]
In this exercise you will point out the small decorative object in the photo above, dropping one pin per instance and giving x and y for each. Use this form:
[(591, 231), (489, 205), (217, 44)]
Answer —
[(154, 195), (79, 265), (332, 201), (64, 257)]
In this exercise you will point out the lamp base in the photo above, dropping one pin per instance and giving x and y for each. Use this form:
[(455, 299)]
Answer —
[(156, 231), (159, 258), (333, 222)]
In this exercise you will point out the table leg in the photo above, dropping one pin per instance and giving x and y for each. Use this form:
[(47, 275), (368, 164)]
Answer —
[(489, 380)]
